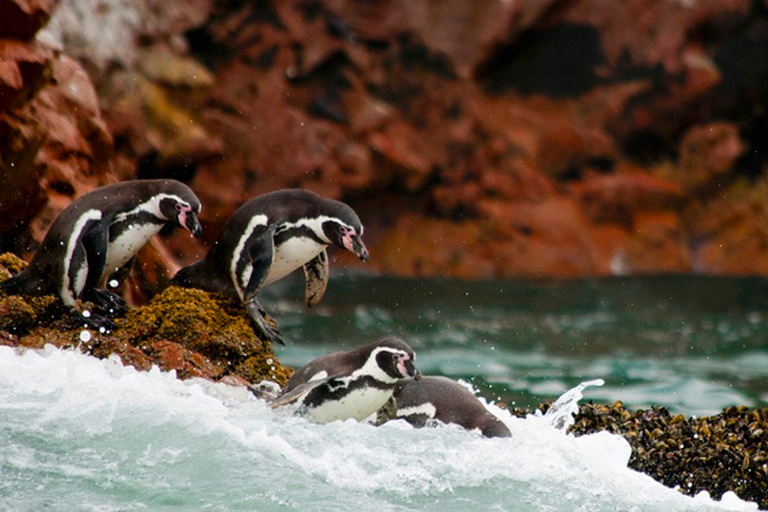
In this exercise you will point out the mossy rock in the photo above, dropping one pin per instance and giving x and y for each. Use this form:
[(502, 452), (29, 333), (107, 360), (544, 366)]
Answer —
[(195, 333), (20, 314), (720, 453)]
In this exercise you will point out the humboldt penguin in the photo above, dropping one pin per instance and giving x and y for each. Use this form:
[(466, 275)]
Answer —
[(269, 237), (351, 384), (97, 236), (447, 401)]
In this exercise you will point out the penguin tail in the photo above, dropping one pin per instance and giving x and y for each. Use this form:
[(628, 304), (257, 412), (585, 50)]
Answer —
[(189, 276), (16, 285)]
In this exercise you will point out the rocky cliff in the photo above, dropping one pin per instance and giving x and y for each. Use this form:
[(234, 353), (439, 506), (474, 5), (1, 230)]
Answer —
[(475, 138)]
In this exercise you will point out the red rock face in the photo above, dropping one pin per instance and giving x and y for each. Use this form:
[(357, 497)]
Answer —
[(475, 139), (54, 143)]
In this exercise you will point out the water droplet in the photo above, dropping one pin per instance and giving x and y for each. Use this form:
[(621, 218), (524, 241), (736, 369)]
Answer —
[(87, 314), (113, 283), (85, 336)]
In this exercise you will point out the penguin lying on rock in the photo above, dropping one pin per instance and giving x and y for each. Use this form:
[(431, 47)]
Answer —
[(97, 236), (445, 400), (269, 237), (352, 384)]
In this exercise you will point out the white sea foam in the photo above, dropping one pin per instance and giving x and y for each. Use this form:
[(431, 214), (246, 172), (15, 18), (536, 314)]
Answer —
[(86, 434)]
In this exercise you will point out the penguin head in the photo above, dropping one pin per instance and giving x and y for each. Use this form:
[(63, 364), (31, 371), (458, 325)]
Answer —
[(347, 236), (183, 211), (396, 359)]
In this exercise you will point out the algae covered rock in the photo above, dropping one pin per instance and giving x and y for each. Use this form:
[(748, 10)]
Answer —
[(195, 333), (720, 453)]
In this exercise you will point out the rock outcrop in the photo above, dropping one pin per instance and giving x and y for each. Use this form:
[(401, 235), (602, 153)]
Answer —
[(549, 138)]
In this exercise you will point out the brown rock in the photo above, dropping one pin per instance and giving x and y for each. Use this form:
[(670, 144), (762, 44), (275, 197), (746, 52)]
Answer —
[(21, 19), (658, 245), (707, 152), (616, 198)]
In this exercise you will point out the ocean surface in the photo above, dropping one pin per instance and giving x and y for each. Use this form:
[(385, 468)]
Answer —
[(77, 433)]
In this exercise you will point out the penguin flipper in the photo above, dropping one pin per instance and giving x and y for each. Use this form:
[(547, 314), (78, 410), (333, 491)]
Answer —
[(121, 273), (259, 255), (316, 276), (263, 327), (94, 244), (301, 390)]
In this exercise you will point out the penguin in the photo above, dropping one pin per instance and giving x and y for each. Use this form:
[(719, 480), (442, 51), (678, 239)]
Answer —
[(351, 384), (445, 400), (97, 236), (269, 237)]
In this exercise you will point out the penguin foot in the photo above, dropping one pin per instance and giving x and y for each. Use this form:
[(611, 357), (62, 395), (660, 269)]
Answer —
[(266, 329), (93, 320), (107, 302)]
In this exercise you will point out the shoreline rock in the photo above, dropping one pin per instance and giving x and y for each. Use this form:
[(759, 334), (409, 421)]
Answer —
[(189, 331), (719, 453)]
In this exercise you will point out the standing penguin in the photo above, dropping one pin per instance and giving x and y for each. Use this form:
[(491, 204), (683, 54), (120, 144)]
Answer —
[(445, 400), (352, 384), (269, 237), (97, 236)]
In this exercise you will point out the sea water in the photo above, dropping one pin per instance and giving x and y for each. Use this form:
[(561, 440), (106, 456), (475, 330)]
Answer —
[(78, 433)]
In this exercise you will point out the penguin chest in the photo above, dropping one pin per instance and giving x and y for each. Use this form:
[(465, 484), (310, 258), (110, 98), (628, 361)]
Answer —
[(358, 404), (124, 245), (290, 255)]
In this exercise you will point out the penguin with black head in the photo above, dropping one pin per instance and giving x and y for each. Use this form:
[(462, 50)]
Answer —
[(349, 384), (445, 400), (269, 237), (98, 236)]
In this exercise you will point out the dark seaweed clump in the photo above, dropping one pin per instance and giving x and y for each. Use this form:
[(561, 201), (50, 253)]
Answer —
[(720, 453)]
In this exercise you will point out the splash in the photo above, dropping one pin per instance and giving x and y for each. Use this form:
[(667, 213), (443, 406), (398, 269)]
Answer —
[(561, 413)]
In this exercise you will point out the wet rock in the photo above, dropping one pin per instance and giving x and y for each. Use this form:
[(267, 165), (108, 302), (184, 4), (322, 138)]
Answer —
[(724, 452)]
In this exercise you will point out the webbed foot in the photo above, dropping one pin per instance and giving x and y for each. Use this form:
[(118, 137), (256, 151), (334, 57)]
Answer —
[(266, 329)]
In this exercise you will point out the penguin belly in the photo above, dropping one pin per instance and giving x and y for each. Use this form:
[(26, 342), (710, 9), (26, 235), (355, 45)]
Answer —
[(127, 244), (290, 255), (358, 404)]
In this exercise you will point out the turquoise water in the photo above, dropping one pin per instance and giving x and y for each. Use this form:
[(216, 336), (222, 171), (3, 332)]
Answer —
[(693, 344), (78, 433)]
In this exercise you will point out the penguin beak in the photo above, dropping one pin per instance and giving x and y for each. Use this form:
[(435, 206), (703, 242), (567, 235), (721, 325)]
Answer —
[(358, 247), (410, 370), (188, 220)]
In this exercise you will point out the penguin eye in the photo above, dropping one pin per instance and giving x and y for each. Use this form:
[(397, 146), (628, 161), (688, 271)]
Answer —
[(179, 207)]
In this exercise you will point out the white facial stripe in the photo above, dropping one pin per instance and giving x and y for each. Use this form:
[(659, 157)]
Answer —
[(426, 408), (372, 368), (315, 224), (240, 281), (151, 205), (69, 293)]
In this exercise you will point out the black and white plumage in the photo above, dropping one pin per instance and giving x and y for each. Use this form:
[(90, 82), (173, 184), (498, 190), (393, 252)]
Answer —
[(98, 235), (269, 237), (352, 384), (445, 400)]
